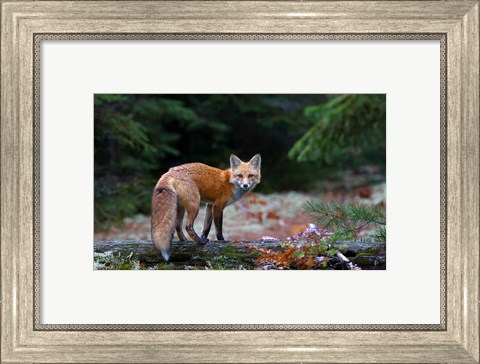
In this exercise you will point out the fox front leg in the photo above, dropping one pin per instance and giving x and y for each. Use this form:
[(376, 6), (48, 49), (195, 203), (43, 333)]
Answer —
[(207, 223), (218, 219)]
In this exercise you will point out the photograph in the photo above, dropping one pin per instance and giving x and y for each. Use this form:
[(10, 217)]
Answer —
[(239, 182)]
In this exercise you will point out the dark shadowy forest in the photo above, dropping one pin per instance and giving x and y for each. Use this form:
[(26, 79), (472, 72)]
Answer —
[(323, 162)]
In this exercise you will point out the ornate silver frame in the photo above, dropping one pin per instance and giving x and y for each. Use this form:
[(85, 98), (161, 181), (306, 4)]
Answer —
[(26, 24)]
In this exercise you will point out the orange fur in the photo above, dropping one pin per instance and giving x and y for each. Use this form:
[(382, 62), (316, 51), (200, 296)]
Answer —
[(182, 188)]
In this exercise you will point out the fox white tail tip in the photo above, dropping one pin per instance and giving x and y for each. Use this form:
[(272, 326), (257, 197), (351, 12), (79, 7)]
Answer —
[(165, 254)]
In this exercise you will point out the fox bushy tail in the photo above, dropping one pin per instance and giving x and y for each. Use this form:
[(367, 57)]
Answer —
[(164, 215)]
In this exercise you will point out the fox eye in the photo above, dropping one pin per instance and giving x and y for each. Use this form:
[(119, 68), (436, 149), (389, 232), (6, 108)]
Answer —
[(250, 175), (240, 175)]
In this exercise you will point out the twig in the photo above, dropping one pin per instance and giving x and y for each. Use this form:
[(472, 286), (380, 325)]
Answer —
[(345, 260)]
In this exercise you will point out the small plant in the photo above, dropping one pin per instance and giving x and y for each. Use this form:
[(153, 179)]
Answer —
[(349, 220), (310, 249)]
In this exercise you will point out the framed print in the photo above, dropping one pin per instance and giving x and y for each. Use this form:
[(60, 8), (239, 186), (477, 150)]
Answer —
[(84, 85), (271, 218)]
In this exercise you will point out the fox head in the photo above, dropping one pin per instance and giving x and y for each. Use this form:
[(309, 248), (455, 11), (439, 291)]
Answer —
[(245, 175)]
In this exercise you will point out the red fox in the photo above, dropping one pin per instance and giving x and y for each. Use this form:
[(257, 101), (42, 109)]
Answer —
[(182, 188)]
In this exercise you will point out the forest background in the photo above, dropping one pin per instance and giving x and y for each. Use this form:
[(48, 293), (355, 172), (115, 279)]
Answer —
[(312, 144)]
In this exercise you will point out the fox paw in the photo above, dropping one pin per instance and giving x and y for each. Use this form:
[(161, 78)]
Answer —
[(203, 240)]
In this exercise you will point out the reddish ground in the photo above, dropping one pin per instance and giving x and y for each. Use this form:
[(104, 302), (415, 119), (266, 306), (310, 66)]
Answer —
[(257, 215)]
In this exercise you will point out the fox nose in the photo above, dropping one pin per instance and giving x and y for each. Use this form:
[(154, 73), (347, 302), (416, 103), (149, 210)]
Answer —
[(245, 186)]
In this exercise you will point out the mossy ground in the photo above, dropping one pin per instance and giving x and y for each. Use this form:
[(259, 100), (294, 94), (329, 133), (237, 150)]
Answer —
[(182, 258)]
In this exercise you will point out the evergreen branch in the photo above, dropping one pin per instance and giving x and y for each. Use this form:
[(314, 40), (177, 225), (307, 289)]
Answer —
[(380, 234), (335, 213), (348, 219), (345, 126)]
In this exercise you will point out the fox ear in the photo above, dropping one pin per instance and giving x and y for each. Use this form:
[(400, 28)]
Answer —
[(234, 161), (256, 161)]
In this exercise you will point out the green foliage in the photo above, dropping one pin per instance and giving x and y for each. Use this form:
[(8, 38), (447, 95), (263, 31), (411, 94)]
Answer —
[(347, 129), (137, 138), (133, 134), (380, 234), (347, 220), (116, 198)]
